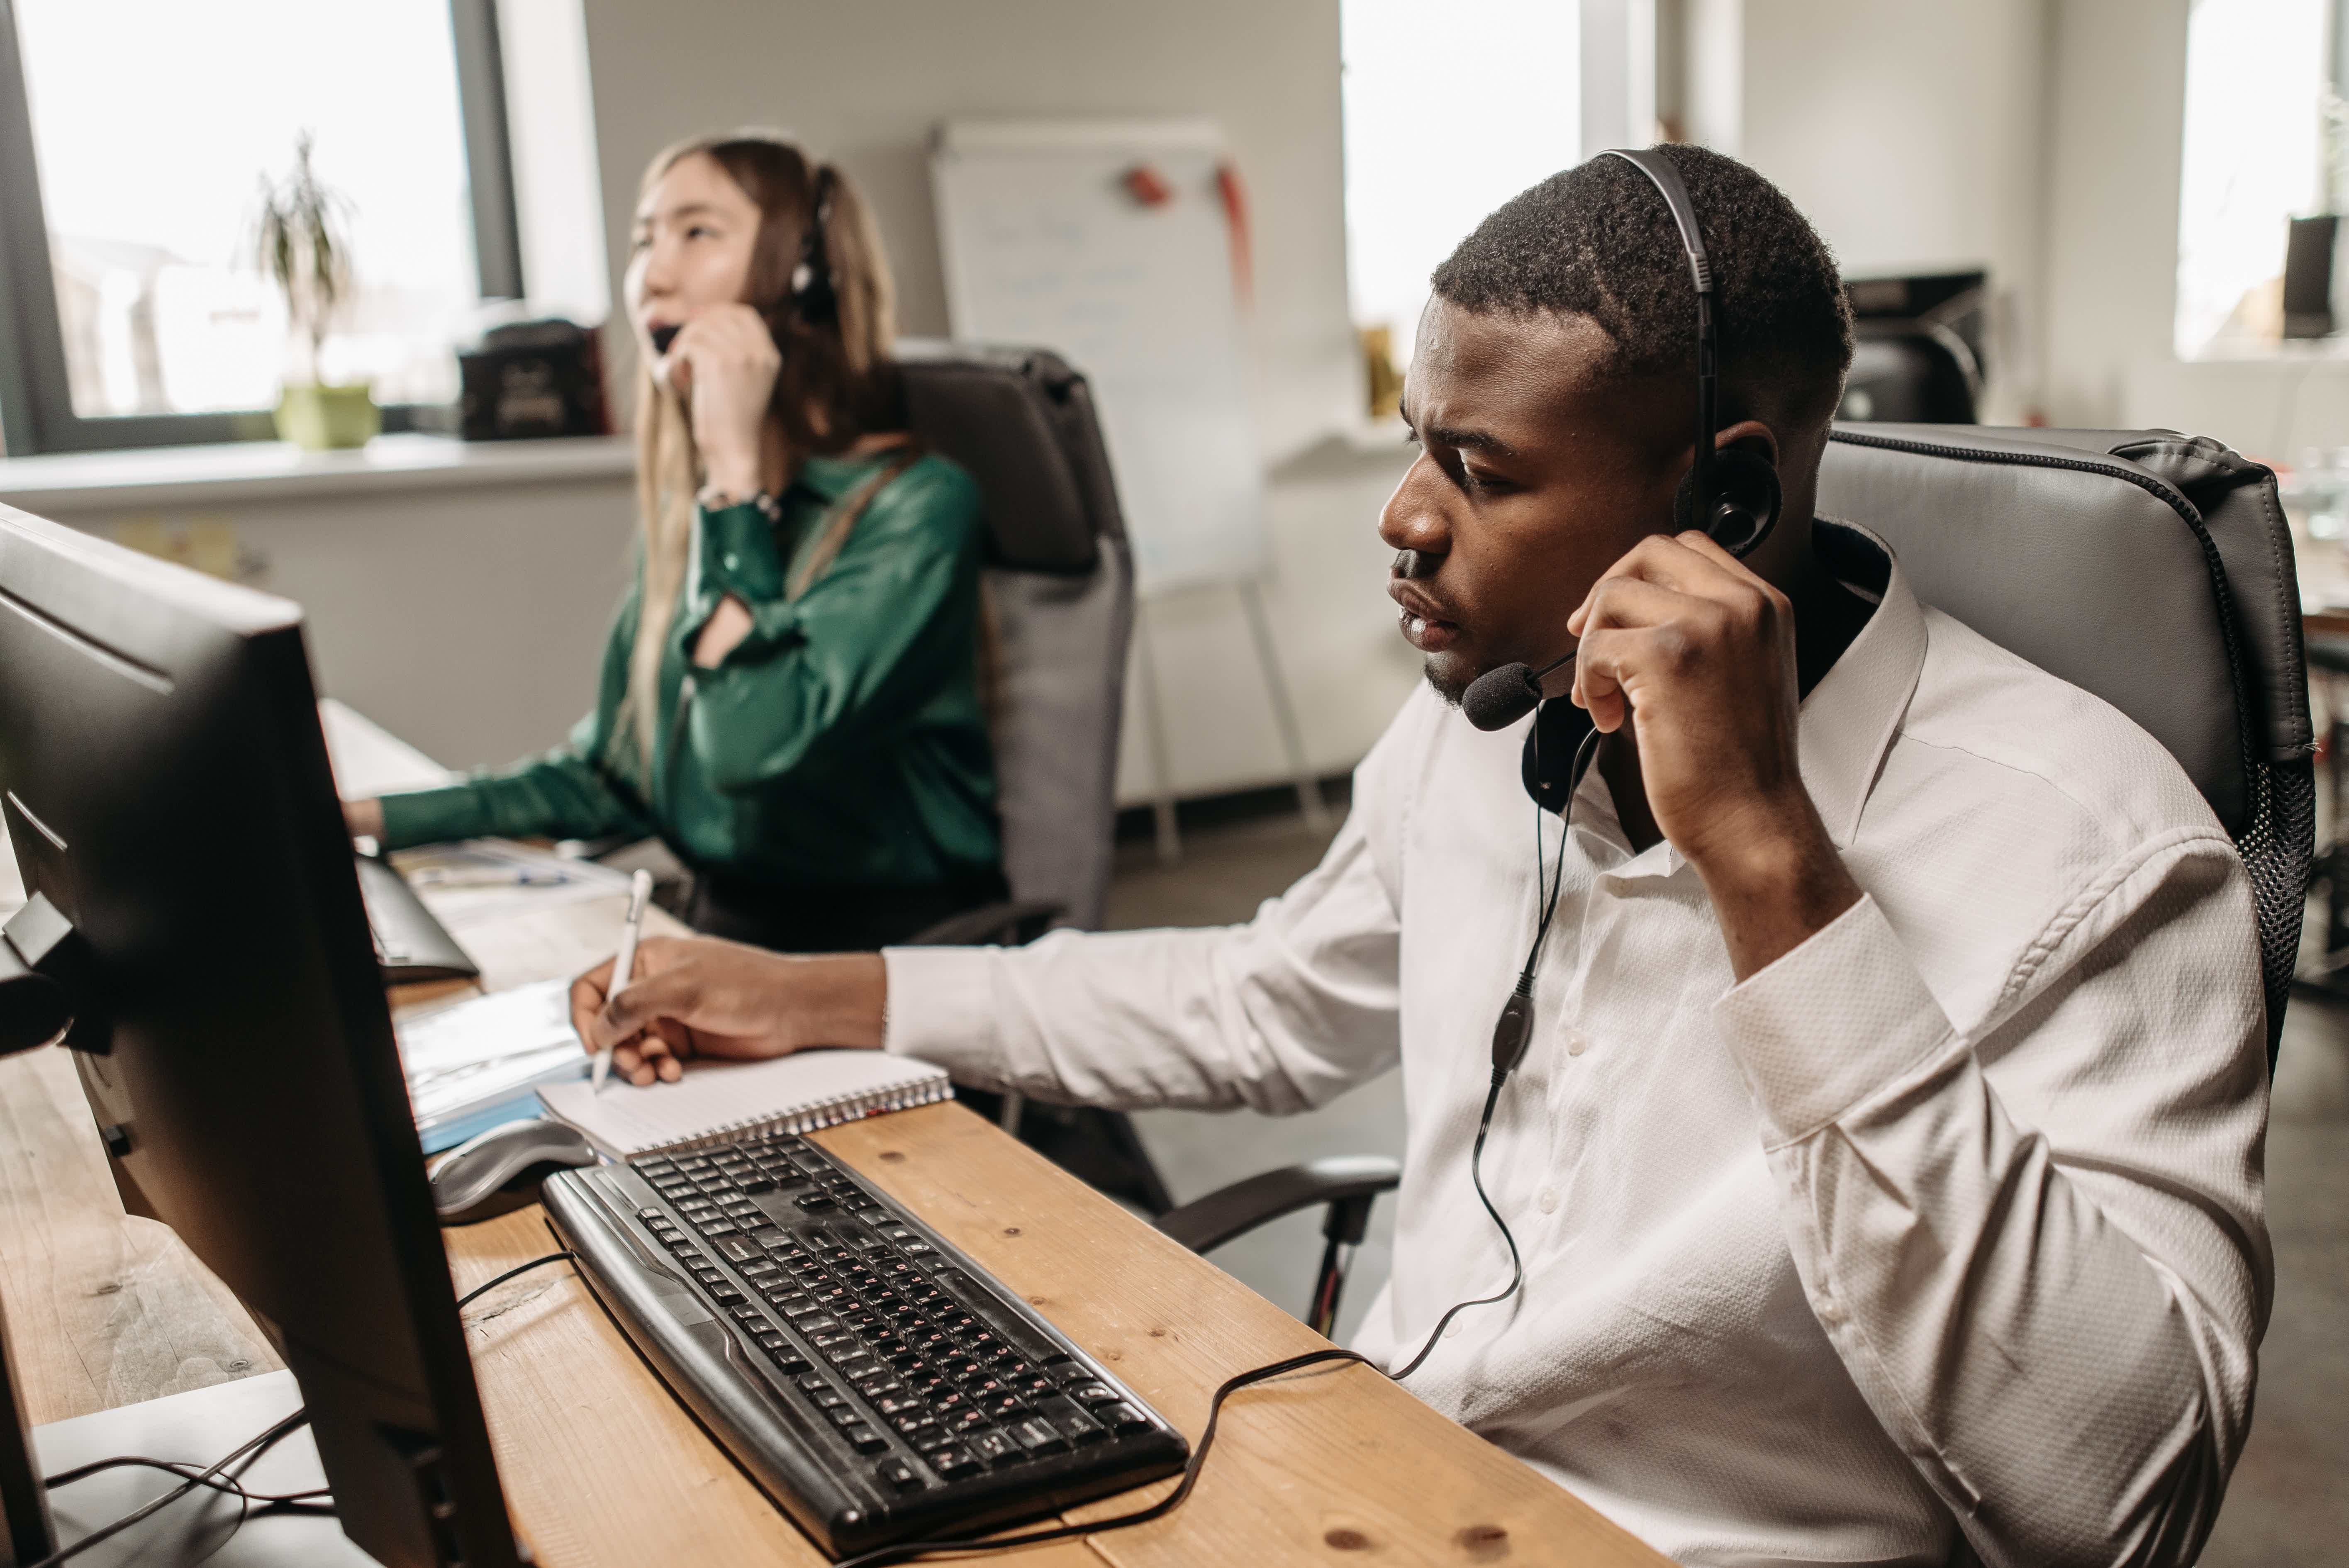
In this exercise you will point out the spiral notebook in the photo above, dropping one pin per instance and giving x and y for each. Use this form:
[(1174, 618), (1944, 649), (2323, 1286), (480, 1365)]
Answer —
[(718, 1100)]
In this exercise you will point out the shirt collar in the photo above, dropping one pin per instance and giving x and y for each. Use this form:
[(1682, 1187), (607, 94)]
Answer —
[(1849, 718), (1845, 723)]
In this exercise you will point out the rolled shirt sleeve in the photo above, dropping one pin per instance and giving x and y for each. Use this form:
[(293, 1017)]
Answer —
[(2056, 1317), (1278, 1015)]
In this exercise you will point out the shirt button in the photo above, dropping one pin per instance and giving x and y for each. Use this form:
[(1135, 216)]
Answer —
[(1577, 1042), (1548, 1202), (733, 562)]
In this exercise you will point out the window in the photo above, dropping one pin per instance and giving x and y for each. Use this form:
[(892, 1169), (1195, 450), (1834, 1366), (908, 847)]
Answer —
[(134, 135), (1449, 111), (2259, 80)]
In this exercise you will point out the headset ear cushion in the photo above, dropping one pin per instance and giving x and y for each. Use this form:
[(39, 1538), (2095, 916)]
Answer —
[(1745, 484)]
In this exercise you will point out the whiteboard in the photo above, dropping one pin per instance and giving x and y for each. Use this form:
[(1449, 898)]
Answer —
[(1042, 245)]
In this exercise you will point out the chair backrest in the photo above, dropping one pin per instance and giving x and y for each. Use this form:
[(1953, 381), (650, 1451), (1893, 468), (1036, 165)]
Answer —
[(1060, 593), (2152, 569)]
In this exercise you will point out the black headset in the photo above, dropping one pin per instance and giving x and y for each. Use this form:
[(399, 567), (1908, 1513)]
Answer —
[(813, 298), (1732, 496)]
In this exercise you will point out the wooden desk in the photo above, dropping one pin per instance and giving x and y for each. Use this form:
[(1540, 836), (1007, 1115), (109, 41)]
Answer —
[(603, 1467)]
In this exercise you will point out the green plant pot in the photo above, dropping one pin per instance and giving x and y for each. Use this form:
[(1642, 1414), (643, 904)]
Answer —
[(320, 419)]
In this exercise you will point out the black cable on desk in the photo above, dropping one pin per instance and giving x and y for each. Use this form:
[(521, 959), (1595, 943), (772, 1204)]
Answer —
[(254, 1447), (483, 1289)]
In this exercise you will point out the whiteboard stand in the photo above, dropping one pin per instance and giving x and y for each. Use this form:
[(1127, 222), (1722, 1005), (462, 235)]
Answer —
[(1154, 715), (1284, 711)]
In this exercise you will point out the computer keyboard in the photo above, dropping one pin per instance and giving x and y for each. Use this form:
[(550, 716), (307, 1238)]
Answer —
[(875, 1383)]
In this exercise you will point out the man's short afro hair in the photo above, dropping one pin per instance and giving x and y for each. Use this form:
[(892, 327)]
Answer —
[(1598, 241)]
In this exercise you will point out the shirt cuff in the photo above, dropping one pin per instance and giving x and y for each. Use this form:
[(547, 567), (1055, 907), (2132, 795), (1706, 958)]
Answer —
[(1826, 1026), (941, 1008), (430, 817), (739, 552)]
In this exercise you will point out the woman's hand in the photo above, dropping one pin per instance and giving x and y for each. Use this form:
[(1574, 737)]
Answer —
[(724, 363), (700, 996), (364, 819)]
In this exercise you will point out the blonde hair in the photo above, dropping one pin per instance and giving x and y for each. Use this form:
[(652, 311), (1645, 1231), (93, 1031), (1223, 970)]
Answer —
[(837, 383)]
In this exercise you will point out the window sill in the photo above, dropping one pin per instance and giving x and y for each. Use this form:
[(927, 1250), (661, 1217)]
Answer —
[(273, 470)]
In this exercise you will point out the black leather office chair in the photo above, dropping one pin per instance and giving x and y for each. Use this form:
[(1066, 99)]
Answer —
[(2152, 569), (1060, 596)]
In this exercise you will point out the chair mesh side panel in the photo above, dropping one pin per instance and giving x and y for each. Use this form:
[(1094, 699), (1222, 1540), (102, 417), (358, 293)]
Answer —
[(2276, 845)]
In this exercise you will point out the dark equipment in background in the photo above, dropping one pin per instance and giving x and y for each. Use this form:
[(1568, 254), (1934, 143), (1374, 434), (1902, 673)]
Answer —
[(2308, 276), (1919, 355), (526, 380), (171, 805)]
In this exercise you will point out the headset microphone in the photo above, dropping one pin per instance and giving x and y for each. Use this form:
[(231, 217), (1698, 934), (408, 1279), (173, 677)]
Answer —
[(1732, 495)]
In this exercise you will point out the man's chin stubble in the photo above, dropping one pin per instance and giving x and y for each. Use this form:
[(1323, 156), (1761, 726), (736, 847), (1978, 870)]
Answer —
[(1449, 684)]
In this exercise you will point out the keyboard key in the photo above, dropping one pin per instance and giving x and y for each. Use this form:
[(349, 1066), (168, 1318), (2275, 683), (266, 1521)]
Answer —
[(857, 1366), (997, 1448), (816, 1203), (757, 1184), (816, 1385), (719, 1228), (1038, 1437), (866, 1439), (1093, 1393), (1124, 1419), (879, 1387), (747, 1314), (831, 1399), (833, 1345), (724, 1295), (896, 1473), (762, 1269), (967, 1422), (770, 1340), (954, 1462), (709, 1277), (845, 1415), (900, 1404), (739, 1250)]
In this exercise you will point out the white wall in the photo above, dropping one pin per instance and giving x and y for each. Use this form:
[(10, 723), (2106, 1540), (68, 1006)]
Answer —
[(2119, 106), (1909, 131), (865, 83), (469, 621)]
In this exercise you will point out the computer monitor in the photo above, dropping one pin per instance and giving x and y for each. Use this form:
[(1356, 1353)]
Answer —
[(167, 789)]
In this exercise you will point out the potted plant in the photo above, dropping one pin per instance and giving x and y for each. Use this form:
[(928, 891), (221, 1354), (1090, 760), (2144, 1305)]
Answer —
[(301, 242)]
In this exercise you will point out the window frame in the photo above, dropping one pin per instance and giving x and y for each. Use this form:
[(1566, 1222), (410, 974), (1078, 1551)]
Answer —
[(37, 411)]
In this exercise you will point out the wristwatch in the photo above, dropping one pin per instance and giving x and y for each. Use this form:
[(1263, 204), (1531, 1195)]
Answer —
[(712, 498)]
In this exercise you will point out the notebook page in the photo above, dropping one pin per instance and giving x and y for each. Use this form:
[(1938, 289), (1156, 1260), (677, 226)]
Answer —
[(713, 1095)]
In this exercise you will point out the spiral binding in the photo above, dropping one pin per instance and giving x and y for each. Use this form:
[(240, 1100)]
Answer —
[(853, 1105)]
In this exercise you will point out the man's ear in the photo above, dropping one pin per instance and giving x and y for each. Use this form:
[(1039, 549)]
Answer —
[(1749, 436)]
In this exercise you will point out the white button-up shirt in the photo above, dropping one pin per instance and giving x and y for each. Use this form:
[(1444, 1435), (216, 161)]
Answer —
[(1946, 1224)]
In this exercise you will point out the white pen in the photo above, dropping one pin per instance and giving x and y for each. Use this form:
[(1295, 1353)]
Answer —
[(623, 965)]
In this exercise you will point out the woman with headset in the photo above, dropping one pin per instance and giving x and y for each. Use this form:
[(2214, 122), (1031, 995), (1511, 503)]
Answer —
[(791, 695)]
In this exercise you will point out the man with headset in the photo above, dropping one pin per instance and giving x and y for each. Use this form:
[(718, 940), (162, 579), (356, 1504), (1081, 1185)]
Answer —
[(1883, 1143)]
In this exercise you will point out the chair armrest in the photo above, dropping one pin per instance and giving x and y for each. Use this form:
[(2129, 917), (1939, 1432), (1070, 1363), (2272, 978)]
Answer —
[(1210, 1221), (1011, 923)]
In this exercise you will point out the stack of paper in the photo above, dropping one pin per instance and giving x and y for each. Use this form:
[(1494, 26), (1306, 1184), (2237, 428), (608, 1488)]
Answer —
[(481, 1062)]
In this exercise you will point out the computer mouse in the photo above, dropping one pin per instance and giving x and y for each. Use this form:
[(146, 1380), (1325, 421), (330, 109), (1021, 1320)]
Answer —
[(500, 1170)]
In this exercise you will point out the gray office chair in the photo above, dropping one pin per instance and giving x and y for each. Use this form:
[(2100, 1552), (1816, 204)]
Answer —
[(1059, 596), (2152, 569)]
